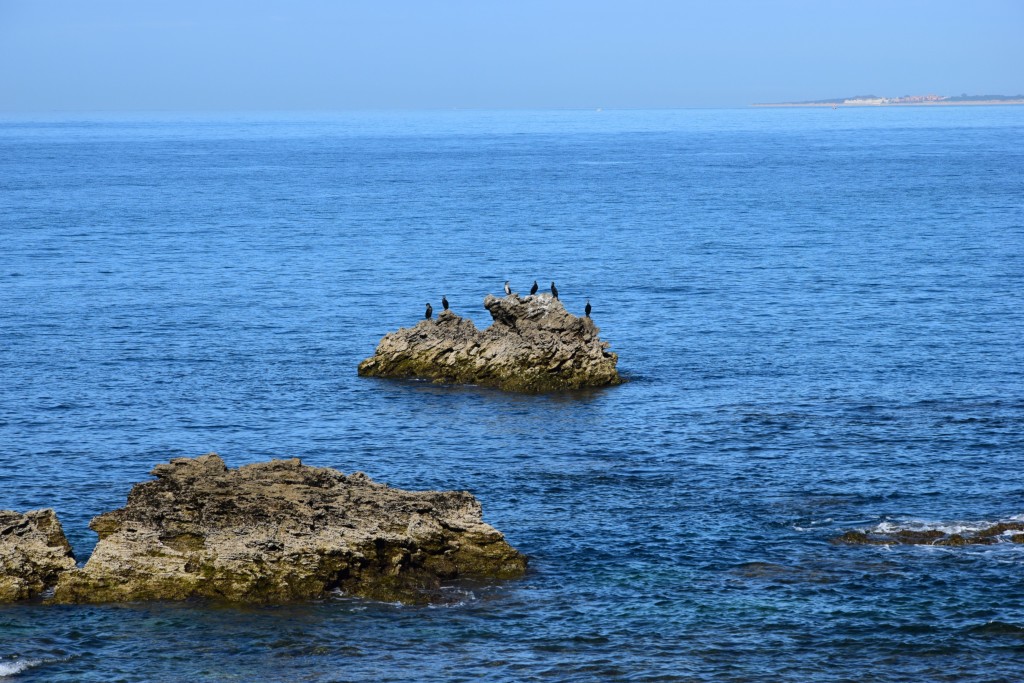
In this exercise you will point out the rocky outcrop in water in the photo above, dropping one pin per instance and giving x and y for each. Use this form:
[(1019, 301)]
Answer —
[(534, 345), (33, 553), (988, 535), (279, 531)]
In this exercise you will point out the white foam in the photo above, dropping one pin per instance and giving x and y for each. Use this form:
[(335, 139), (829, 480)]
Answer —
[(948, 528), (454, 598), (17, 666)]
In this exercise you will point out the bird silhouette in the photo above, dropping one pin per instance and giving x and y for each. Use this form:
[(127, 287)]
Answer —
[(586, 311), (430, 311), (554, 290), (508, 290), (444, 302), (533, 290)]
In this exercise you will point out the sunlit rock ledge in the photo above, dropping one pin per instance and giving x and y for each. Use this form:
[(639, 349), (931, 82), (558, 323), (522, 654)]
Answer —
[(534, 345), (270, 532), (33, 553)]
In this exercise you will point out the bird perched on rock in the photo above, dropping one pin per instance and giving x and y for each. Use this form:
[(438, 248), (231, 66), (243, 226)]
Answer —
[(444, 302), (508, 290), (586, 311), (554, 290), (533, 290), (430, 311)]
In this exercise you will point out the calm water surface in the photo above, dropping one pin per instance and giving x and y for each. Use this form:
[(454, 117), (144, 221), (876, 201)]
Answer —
[(821, 313)]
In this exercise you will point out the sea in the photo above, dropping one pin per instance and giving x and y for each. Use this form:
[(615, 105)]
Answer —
[(820, 314)]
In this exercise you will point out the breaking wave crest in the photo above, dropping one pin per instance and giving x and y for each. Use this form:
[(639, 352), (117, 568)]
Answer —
[(961, 528), (12, 668)]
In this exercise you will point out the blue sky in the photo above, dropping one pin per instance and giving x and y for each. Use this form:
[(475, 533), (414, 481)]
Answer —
[(107, 55)]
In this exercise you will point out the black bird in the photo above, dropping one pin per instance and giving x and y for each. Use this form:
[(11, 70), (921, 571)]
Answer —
[(508, 290), (430, 311), (533, 290), (554, 290), (588, 309), (444, 302)]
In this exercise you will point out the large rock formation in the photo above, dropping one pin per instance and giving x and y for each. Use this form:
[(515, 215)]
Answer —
[(278, 531), (33, 553), (534, 345)]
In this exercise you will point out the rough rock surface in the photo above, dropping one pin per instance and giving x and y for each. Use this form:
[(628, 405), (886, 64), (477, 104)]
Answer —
[(279, 531), (990, 535), (534, 345), (33, 553)]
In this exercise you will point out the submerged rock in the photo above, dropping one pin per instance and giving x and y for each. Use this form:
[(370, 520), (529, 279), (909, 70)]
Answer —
[(989, 535), (534, 345), (279, 531), (33, 553)]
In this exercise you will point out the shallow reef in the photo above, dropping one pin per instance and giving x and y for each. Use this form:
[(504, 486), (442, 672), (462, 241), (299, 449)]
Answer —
[(989, 535)]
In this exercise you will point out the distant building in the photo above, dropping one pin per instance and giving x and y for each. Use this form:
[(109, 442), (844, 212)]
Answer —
[(917, 99), (866, 100)]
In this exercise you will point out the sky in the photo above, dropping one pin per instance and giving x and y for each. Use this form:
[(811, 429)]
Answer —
[(311, 55)]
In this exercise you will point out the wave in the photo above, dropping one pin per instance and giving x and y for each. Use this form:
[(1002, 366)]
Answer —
[(922, 532), (997, 628), (961, 528), (13, 668)]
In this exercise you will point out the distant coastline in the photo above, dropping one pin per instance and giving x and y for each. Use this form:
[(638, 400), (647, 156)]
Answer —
[(905, 101)]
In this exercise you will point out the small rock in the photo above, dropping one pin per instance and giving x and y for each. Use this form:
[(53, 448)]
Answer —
[(534, 345), (33, 553)]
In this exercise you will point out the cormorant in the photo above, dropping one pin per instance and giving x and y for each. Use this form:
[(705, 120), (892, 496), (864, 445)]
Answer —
[(554, 290), (430, 311), (444, 302), (586, 311), (533, 290), (508, 290)]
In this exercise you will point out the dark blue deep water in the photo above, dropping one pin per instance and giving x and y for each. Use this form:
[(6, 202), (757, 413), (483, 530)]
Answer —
[(821, 313)]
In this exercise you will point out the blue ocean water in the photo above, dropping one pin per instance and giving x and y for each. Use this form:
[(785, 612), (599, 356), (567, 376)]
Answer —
[(821, 314)]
